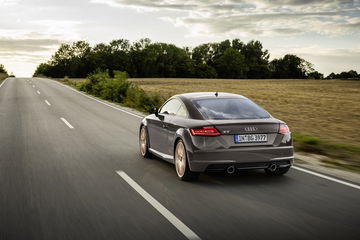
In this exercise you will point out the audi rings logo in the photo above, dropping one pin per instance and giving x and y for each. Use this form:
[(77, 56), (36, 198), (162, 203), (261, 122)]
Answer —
[(251, 129)]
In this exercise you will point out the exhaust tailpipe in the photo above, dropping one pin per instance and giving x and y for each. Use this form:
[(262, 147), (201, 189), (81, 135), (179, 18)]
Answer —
[(230, 170), (272, 167)]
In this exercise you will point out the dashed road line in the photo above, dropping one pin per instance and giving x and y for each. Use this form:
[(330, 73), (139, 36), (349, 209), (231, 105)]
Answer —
[(47, 102), (67, 123)]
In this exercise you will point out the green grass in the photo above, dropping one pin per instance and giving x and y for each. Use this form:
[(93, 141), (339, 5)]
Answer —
[(117, 89), (343, 156)]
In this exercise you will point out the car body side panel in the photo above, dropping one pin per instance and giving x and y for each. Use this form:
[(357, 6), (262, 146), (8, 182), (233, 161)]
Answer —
[(158, 130)]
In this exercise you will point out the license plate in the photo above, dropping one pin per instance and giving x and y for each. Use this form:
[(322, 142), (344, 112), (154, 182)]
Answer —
[(250, 138)]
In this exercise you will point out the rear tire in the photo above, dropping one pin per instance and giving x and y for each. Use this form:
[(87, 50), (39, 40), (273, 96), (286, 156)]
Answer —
[(277, 172), (144, 143), (182, 164)]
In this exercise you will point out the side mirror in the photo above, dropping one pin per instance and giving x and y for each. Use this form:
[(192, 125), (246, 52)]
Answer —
[(154, 110)]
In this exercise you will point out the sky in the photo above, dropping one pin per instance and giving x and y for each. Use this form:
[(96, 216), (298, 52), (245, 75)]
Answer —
[(323, 32)]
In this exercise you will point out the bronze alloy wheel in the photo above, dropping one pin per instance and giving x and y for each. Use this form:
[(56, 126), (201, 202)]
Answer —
[(144, 149), (180, 159), (181, 163)]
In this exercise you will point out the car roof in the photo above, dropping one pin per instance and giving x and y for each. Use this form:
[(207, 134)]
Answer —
[(201, 95)]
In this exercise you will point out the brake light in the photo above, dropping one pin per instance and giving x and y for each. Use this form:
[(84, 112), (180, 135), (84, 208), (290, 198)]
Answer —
[(205, 131), (283, 129)]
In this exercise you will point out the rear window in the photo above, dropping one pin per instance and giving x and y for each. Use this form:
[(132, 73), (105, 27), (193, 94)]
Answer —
[(229, 108)]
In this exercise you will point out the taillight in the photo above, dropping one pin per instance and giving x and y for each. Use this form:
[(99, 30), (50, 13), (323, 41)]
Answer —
[(283, 129), (205, 131)]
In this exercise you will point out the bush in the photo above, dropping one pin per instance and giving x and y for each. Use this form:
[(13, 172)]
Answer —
[(119, 89), (3, 76)]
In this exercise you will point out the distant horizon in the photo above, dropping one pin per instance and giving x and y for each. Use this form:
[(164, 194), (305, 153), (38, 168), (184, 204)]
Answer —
[(325, 33)]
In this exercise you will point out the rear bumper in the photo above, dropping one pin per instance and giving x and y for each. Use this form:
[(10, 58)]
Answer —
[(242, 158)]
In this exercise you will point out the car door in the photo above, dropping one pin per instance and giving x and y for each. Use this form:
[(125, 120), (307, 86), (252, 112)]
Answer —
[(158, 128), (176, 122)]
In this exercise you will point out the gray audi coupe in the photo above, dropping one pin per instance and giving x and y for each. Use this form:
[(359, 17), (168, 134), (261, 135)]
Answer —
[(208, 131)]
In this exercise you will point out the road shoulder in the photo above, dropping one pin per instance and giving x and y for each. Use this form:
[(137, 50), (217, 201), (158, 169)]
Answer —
[(314, 162)]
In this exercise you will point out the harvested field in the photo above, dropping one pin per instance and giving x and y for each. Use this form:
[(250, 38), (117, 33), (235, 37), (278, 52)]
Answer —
[(328, 109)]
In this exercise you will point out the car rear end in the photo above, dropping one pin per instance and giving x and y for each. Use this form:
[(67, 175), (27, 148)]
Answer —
[(231, 139)]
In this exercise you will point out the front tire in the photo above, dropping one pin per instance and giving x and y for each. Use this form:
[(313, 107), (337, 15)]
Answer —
[(277, 172), (143, 143), (182, 164)]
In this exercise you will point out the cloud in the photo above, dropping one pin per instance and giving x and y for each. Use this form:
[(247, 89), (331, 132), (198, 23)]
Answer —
[(22, 55), (317, 51), (260, 17), (9, 2), (27, 45)]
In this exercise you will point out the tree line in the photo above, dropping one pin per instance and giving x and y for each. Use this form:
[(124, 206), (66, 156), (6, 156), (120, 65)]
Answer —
[(143, 58), (344, 75)]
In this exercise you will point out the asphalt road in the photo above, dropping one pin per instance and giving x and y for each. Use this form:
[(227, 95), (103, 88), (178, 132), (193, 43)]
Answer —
[(58, 182)]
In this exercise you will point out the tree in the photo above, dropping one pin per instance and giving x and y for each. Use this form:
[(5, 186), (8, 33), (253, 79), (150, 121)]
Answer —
[(256, 59), (231, 64), (315, 75), (71, 60), (44, 69), (2, 69), (290, 66), (203, 54)]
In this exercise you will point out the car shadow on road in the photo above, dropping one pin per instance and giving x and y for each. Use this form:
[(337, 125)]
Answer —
[(243, 177), (240, 177)]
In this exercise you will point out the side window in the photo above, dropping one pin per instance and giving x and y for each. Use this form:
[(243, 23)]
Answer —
[(171, 107), (182, 111)]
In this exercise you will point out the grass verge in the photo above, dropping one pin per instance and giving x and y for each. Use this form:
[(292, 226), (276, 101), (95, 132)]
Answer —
[(117, 89), (343, 156)]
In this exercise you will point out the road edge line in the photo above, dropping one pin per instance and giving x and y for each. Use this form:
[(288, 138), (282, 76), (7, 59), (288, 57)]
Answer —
[(97, 100), (326, 177), (3, 82), (185, 230)]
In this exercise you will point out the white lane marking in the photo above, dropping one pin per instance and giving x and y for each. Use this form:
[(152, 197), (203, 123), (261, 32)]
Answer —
[(67, 123), (47, 102), (160, 208), (327, 177), (38, 92), (97, 100), (2, 83)]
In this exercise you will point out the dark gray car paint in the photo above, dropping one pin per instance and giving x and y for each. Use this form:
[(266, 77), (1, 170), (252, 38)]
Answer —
[(164, 131)]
